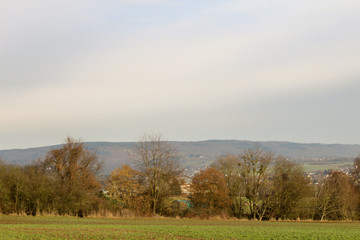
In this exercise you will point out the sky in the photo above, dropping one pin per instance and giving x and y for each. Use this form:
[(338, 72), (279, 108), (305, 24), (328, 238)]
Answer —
[(113, 70)]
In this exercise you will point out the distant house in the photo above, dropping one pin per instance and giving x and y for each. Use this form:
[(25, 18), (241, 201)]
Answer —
[(185, 189), (104, 192)]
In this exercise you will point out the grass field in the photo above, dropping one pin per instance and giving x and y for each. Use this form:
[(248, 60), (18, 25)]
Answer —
[(20, 227), (322, 167)]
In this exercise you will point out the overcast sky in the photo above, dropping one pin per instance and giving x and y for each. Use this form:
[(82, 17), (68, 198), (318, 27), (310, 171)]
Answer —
[(112, 70)]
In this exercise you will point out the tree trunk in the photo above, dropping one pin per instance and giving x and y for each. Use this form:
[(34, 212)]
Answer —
[(323, 214), (17, 198), (154, 209)]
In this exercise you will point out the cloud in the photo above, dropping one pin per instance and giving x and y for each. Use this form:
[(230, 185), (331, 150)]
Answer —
[(74, 66)]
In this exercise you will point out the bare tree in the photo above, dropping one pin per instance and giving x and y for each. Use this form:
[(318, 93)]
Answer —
[(157, 161), (355, 171), (337, 198), (254, 164)]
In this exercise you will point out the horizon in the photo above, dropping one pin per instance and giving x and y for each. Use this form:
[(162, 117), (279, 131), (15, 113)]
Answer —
[(113, 70), (187, 141)]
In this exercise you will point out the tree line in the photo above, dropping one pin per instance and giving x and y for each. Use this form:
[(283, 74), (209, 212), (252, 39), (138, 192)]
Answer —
[(63, 183), (260, 185), (255, 184)]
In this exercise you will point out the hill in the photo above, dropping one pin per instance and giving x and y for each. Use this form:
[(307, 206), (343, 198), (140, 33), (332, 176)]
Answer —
[(202, 153)]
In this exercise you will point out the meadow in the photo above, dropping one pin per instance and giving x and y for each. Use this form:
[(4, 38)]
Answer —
[(22, 227)]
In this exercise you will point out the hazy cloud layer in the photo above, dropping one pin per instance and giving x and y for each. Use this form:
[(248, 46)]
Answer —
[(112, 70)]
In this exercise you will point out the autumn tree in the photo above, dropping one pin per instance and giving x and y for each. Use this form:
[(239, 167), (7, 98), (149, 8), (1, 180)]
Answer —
[(229, 165), (15, 184), (72, 170), (291, 185), (7, 187), (38, 193), (15, 194), (209, 193), (157, 161), (175, 186), (4, 195), (124, 185)]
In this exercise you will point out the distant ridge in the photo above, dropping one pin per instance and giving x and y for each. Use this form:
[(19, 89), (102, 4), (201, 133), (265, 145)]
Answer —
[(195, 154)]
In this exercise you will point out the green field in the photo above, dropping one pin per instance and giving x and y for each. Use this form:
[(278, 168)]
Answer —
[(20, 227), (322, 167)]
